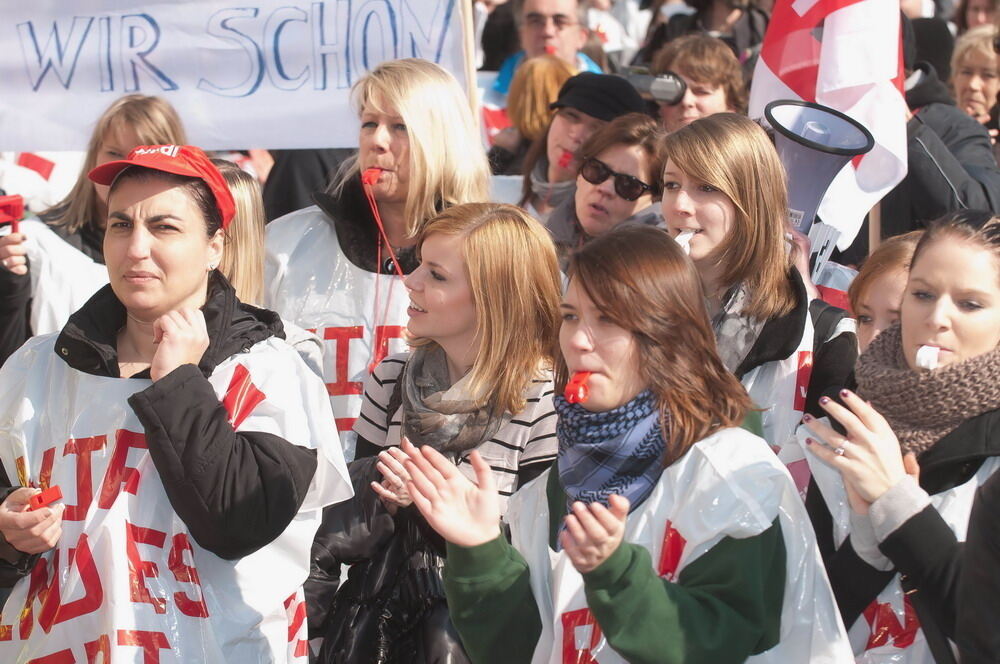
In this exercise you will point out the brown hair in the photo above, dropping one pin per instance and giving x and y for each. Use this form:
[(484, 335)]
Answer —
[(973, 226), (894, 254), (632, 129), (959, 15), (243, 260), (706, 60), (154, 121), (639, 278), (733, 154), (535, 86), (511, 264)]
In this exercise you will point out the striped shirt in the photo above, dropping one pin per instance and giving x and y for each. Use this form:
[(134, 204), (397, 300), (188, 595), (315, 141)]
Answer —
[(527, 437)]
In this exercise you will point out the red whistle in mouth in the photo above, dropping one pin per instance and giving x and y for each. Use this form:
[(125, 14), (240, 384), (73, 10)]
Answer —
[(565, 158), (44, 499), (576, 389), (550, 49), (371, 175)]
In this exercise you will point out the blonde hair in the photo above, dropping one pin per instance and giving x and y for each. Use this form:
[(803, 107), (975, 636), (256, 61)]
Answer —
[(733, 154), (447, 166), (535, 86), (243, 258), (511, 264), (977, 40), (154, 121)]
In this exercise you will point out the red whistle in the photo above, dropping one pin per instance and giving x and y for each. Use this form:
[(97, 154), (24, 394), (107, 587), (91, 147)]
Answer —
[(371, 175), (550, 49), (11, 210), (565, 158), (576, 389), (44, 499)]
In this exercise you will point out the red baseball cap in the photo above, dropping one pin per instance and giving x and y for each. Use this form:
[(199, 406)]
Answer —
[(177, 159)]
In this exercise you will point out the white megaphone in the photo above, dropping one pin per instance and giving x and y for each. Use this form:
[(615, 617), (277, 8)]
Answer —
[(814, 142)]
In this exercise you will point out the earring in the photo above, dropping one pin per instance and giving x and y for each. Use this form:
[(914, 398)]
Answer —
[(211, 266)]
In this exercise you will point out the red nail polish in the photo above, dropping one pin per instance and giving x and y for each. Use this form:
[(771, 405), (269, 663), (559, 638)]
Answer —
[(809, 441), (843, 393), (824, 400)]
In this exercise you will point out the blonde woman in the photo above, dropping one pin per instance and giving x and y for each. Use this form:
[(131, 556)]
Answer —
[(484, 317), (975, 78), (535, 86), (66, 251), (243, 262), (336, 267), (724, 191)]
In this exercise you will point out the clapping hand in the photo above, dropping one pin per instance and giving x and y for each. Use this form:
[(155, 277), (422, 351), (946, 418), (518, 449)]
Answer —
[(460, 511), (392, 490), (593, 532)]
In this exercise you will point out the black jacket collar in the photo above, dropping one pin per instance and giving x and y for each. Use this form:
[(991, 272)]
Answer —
[(780, 336), (930, 89), (956, 457), (357, 231), (88, 342)]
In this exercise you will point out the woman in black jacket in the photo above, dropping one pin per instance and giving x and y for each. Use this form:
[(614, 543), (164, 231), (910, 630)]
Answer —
[(187, 438), (927, 387), (78, 220)]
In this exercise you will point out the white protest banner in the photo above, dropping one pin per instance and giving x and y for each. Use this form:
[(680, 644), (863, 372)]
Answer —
[(263, 73)]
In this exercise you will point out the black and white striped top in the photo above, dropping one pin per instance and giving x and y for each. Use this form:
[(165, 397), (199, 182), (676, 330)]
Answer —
[(527, 437)]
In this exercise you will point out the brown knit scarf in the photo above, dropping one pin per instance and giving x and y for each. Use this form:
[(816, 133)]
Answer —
[(923, 406)]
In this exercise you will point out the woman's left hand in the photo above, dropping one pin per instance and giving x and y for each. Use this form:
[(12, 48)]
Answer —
[(181, 338), (593, 532), (868, 458), (392, 489)]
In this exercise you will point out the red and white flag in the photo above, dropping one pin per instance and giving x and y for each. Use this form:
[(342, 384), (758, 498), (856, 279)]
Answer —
[(845, 54)]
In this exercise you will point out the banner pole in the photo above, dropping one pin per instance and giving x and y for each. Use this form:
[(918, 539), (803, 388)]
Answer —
[(874, 227), (469, 51)]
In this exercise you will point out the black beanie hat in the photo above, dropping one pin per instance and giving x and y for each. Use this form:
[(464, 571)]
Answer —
[(602, 96)]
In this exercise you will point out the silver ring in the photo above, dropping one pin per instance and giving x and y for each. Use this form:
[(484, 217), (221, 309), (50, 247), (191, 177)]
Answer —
[(839, 451)]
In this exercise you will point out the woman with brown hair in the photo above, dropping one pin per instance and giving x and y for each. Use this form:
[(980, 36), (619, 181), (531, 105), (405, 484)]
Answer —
[(66, 249), (724, 195), (618, 183), (875, 294), (913, 445), (614, 546), (712, 74)]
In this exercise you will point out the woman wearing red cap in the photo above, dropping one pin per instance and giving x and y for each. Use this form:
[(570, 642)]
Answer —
[(53, 265), (336, 267), (189, 441)]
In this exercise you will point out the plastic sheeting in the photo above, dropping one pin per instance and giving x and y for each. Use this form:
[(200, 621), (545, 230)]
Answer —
[(888, 631), (728, 485), (126, 578), (360, 316)]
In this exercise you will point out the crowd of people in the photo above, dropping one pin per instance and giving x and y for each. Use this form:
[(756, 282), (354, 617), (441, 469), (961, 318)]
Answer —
[(370, 405)]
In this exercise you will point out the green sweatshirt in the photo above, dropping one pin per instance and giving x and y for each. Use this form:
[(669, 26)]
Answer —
[(724, 607)]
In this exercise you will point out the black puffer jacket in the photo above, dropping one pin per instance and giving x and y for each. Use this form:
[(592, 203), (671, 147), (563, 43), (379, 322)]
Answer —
[(924, 549), (235, 491), (392, 608), (15, 289)]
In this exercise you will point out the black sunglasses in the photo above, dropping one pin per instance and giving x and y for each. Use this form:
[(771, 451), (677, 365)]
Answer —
[(628, 187)]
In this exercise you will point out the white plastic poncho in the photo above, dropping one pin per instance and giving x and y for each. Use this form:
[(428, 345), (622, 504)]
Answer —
[(888, 630), (727, 485), (126, 578), (63, 278), (360, 316)]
